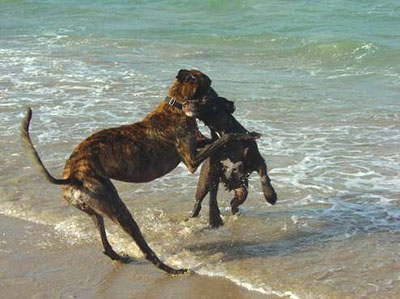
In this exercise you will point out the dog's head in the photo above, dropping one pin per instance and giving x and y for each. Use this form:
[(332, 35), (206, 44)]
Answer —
[(188, 88), (214, 108)]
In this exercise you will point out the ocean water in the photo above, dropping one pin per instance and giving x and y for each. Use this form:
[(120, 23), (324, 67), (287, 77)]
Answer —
[(319, 80)]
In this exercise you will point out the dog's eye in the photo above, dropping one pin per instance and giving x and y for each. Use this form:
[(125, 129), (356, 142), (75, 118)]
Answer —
[(190, 78)]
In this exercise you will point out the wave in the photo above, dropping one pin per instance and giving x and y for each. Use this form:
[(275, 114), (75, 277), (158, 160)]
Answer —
[(336, 53), (346, 53)]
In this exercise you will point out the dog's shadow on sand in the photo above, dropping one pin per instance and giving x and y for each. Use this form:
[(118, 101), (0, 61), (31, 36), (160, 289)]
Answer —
[(234, 250), (300, 239)]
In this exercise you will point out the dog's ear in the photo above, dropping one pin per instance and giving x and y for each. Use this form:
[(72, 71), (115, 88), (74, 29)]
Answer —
[(211, 93), (206, 81), (229, 106), (183, 75)]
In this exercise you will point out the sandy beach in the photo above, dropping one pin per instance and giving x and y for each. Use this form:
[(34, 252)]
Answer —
[(35, 263)]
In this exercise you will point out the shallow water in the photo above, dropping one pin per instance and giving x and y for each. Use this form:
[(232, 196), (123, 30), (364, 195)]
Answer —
[(321, 82)]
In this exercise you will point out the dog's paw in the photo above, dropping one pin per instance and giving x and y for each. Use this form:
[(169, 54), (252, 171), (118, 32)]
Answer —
[(216, 221), (271, 198), (179, 271), (234, 210), (190, 217), (124, 258), (269, 194)]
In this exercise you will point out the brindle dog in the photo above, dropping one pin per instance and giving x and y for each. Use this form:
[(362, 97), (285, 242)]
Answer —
[(139, 152), (233, 165)]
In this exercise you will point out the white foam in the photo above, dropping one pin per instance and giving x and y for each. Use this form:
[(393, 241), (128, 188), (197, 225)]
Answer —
[(10, 210), (266, 290), (74, 231)]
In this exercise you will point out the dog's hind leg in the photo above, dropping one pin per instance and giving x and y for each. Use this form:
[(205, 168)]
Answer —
[(203, 187), (215, 215), (268, 190), (109, 203), (128, 224), (86, 201), (239, 198), (99, 196), (108, 250)]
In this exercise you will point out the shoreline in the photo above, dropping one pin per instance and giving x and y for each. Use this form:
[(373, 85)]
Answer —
[(35, 261)]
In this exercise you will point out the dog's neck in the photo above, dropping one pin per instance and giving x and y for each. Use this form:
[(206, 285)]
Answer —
[(173, 102)]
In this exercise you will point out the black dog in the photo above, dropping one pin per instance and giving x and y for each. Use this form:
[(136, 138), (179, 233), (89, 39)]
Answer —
[(233, 165)]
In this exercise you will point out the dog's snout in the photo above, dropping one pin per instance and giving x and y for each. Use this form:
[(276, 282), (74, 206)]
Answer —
[(190, 78)]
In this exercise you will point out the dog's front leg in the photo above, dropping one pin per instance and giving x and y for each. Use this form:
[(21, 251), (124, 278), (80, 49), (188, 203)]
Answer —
[(203, 187), (215, 215), (202, 140), (268, 190)]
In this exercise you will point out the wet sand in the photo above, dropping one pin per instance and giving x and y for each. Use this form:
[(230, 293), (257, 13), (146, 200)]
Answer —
[(36, 263)]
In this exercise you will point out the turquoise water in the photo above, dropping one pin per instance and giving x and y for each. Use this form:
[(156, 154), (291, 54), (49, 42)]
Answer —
[(320, 80)]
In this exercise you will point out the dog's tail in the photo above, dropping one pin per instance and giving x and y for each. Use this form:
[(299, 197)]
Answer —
[(33, 155)]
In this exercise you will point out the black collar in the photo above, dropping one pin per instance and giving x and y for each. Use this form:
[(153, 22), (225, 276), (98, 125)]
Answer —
[(172, 102)]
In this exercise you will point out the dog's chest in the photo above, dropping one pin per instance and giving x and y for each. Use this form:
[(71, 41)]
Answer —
[(232, 168)]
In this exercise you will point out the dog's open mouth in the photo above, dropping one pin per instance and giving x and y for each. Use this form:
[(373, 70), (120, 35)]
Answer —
[(189, 109)]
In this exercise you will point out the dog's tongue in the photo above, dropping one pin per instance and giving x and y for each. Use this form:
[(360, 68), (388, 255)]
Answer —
[(187, 109)]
